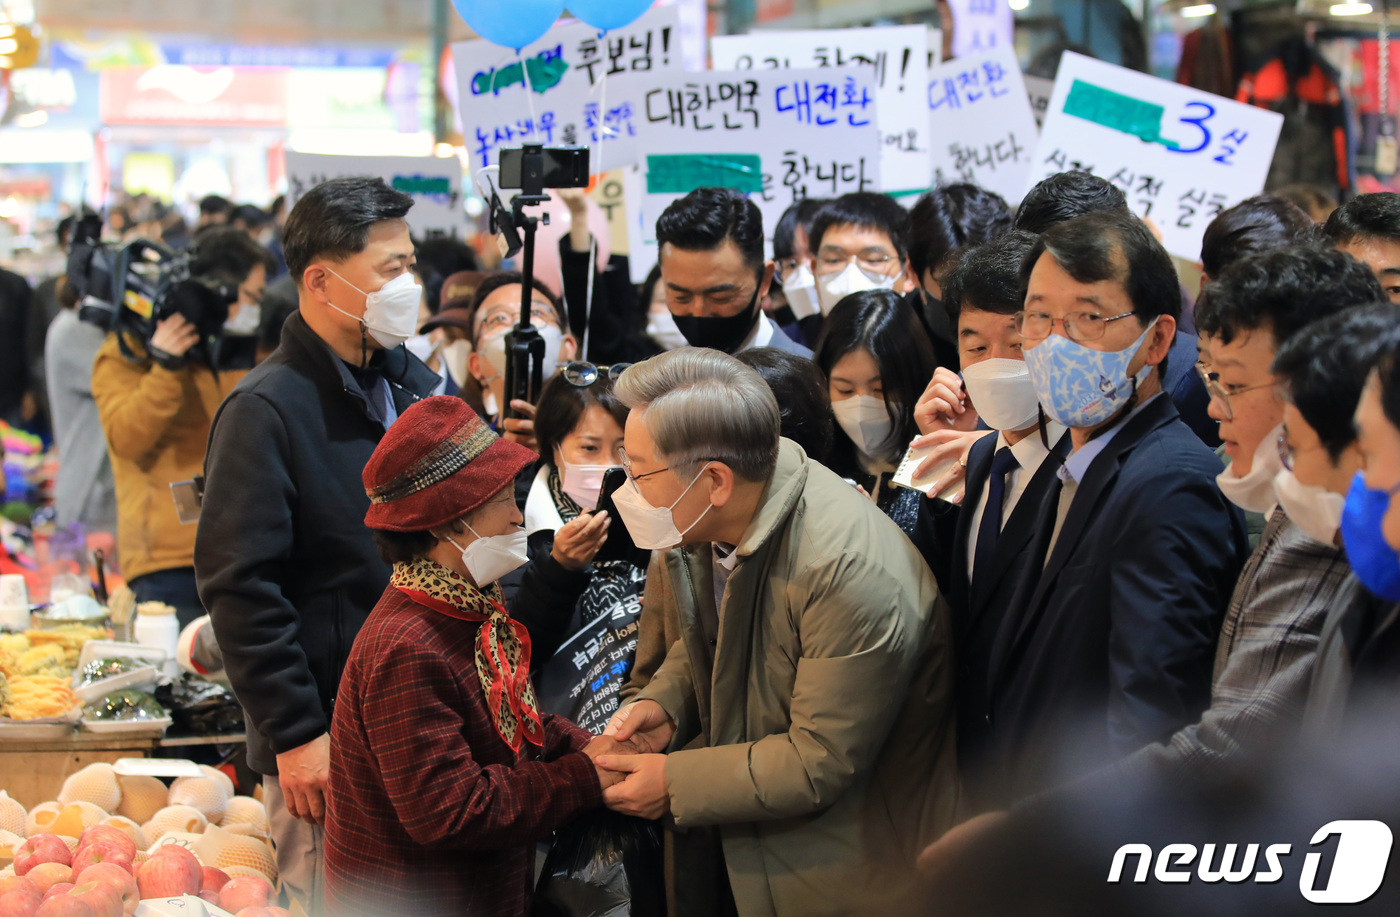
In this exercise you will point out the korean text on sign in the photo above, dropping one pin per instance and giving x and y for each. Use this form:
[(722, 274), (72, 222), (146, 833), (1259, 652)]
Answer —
[(981, 123)]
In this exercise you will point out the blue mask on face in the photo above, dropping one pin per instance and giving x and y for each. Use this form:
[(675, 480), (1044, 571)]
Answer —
[(1079, 386), (1376, 563)]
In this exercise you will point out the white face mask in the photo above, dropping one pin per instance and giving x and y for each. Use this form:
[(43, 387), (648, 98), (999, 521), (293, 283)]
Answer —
[(391, 312), (652, 528), (661, 328), (1255, 491), (246, 322), (800, 288), (421, 346), (1003, 393), (454, 357), (488, 559), (832, 288), (583, 483), (867, 422), (1315, 510), (494, 350)]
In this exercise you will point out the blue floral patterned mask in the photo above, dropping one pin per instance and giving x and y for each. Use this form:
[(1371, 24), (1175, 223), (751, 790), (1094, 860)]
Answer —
[(1082, 387)]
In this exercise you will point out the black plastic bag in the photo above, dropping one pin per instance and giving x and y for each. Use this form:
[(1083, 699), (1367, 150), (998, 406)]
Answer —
[(603, 864), (201, 707)]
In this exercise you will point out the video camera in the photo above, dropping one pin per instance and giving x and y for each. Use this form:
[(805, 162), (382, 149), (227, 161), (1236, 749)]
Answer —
[(532, 168)]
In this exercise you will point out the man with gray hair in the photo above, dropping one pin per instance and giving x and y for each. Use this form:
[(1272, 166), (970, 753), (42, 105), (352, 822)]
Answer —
[(807, 706)]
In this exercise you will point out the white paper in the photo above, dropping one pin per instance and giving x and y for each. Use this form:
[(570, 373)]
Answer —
[(1039, 89), (980, 25), (157, 767), (981, 122), (434, 183), (1203, 153), (896, 56), (583, 88)]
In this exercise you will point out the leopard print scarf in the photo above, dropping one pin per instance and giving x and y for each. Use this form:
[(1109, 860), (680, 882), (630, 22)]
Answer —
[(502, 648)]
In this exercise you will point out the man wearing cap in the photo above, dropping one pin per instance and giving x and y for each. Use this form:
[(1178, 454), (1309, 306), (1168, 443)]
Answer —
[(443, 771)]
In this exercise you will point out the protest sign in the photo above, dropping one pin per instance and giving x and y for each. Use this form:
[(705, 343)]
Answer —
[(777, 135), (1039, 90), (896, 57), (570, 88), (1180, 155), (980, 25), (435, 184), (981, 123)]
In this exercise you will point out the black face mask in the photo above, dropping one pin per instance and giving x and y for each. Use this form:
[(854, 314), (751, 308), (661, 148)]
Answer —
[(936, 318), (719, 333)]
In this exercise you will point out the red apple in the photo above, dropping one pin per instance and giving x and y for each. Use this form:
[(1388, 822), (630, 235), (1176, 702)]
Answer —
[(110, 874), (246, 891), (19, 884), (65, 906), (20, 903), (211, 897), (41, 848), (47, 875), (214, 879), (104, 899), (110, 834), (100, 852), (170, 875), (61, 888)]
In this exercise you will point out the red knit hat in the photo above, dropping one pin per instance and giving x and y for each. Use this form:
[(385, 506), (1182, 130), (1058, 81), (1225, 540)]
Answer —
[(438, 462)]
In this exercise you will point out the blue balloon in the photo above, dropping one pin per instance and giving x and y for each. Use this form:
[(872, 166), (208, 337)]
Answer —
[(514, 24), (608, 14)]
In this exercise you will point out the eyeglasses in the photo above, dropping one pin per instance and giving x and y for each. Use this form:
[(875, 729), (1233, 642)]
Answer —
[(1287, 451), (877, 262), (1079, 326), (499, 321), (585, 374), (627, 465), (1218, 392)]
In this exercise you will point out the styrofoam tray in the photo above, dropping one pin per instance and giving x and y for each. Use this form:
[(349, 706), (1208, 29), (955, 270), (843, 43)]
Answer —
[(105, 649), (48, 727), (127, 727), (156, 767), (142, 678)]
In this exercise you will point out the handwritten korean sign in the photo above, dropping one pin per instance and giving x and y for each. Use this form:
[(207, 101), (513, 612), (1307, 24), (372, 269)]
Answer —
[(896, 58), (1180, 155), (981, 123), (980, 25), (570, 88), (435, 184)]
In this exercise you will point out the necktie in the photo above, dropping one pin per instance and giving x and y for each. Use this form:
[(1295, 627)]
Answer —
[(987, 533)]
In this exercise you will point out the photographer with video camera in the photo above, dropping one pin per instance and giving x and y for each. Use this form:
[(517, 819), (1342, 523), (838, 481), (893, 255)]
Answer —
[(177, 347)]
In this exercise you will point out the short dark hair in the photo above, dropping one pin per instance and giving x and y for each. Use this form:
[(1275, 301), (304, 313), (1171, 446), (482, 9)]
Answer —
[(438, 259), (225, 255), (403, 547), (1283, 290), (494, 281), (1066, 195), (64, 232), (799, 214), (987, 277), (881, 322), (253, 217), (1366, 216), (1311, 199), (1257, 224), (562, 404), (1323, 368), (333, 220), (804, 406), (706, 218), (213, 203), (953, 217), (866, 210)]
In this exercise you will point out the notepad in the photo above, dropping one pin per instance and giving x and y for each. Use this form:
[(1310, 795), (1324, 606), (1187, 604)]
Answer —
[(904, 475)]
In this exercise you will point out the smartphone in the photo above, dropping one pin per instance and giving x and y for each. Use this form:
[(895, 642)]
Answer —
[(619, 545), (546, 166)]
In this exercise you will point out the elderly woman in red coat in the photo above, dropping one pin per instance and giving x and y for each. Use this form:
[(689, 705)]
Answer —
[(444, 775)]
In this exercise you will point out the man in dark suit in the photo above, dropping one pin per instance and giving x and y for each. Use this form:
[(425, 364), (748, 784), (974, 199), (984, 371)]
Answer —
[(1109, 641)]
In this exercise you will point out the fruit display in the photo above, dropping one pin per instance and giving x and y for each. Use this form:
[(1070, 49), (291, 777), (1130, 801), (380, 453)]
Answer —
[(87, 853), (36, 670)]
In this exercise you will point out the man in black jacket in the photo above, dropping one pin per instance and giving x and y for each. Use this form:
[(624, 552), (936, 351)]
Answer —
[(284, 562)]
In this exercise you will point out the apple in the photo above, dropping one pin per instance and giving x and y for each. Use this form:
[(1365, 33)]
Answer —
[(47, 875), (101, 852), (170, 875), (20, 903), (61, 888), (246, 891), (110, 874), (211, 897), (104, 899), (19, 883), (65, 906), (41, 848), (214, 879), (110, 834)]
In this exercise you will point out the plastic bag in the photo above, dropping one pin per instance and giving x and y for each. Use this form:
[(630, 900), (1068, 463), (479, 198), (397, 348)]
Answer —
[(603, 864), (201, 707)]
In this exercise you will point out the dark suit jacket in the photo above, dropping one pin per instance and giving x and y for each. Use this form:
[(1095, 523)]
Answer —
[(1110, 646), (979, 605)]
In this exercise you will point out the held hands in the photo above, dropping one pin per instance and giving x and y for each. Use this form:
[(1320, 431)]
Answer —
[(578, 542), (645, 723), (522, 429), (643, 791), (944, 405), (302, 773), (606, 745)]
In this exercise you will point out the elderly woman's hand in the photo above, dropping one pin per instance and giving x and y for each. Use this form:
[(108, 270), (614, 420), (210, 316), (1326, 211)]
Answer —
[(578, 542)]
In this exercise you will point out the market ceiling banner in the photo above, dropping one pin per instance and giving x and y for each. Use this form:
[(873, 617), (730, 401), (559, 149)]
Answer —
[(573, 87), (1180, 155), (179, 95), (897, 58), (435, 184)]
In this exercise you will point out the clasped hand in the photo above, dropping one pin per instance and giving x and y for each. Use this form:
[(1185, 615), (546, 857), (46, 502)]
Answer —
[(634, 776)]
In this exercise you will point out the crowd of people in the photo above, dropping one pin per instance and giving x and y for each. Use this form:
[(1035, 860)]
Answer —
[(1142, 538)]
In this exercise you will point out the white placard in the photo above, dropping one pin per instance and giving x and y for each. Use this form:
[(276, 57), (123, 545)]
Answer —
[(1039, 89), (780, 135), (1180, 155), (435, 184), (896, 57), (981, 25), (582, 88), (981, 123)]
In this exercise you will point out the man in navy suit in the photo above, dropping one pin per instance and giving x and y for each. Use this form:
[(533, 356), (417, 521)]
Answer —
[(1109, 641)]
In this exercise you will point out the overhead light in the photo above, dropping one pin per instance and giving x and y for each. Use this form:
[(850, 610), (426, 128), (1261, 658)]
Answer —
[(1019, 5), (1195, 12), (32, 118), (444, 151), (1350, 9)]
